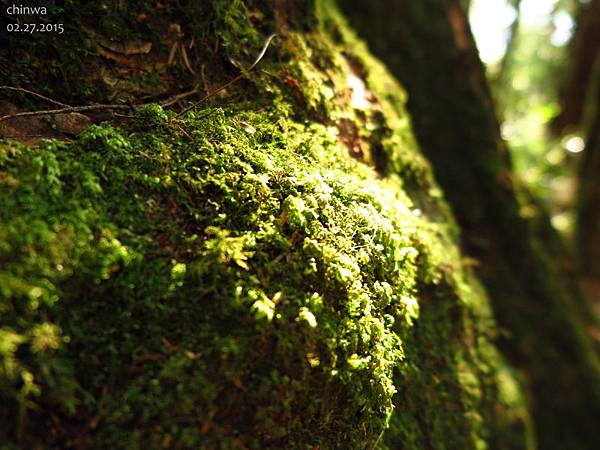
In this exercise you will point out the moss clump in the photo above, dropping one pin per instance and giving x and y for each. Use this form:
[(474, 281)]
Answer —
[(242, 277), (254, 283)]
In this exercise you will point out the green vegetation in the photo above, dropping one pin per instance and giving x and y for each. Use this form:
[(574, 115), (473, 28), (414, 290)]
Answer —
[(276, 269), (209, 288)]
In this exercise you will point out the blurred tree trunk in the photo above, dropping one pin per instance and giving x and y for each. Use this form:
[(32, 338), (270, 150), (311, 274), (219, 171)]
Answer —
[(580, 107), (429, 47), (584, 50), (580, 111), (588, 218)]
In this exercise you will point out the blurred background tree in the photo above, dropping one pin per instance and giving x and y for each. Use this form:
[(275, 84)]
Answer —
[(510, 181), (524, 44), (542, 61)]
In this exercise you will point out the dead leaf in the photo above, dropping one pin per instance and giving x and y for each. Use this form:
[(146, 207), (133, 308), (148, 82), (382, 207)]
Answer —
[(125, 48), (171, 347), (247, 127), (126, 61)]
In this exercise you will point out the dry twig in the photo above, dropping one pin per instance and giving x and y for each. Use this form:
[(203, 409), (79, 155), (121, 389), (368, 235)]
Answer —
[(97, 107), (172, 100), (69, 109), (233, 80), (35, 94)]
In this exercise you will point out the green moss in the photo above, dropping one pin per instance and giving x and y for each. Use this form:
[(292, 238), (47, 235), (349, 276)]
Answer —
[(221, 246), (243, 276)]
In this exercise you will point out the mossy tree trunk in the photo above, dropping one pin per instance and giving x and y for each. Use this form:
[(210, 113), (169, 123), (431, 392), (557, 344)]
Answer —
[(428, 46), (276, 268)]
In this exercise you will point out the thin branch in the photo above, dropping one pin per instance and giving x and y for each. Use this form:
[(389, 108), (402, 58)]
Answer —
[(237, 78), (204, 81), (378, 439), (35, 94), (97, 107), (68, 109), (172, 100), (12, 136)]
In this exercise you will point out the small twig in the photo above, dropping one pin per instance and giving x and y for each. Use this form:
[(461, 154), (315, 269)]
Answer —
[(20, 137), (172, 100), (237, 78), (35, 94), (13, 136), (185, 58), (185, 133), (68, 109), (378, 439), (96, 107), (126, 116), (204, 81)]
